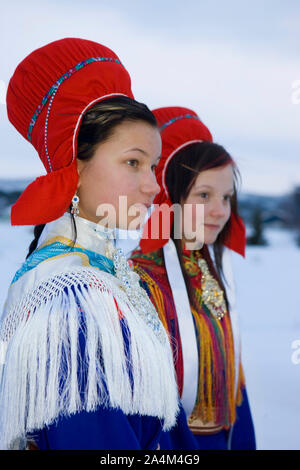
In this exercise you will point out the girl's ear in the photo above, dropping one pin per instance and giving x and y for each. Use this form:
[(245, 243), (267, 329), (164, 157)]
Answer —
[(80, 166)]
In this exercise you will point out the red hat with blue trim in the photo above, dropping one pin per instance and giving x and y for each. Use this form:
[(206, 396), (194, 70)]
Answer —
[(180, 127), (47, 96)]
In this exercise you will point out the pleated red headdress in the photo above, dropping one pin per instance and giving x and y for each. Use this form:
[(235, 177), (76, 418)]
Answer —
[(180, 127), (46, 98)]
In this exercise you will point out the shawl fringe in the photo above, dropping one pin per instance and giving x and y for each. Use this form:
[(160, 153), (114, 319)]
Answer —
[(46, 373)]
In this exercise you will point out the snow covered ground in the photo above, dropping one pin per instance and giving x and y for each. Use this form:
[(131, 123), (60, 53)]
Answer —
[(268, 297)]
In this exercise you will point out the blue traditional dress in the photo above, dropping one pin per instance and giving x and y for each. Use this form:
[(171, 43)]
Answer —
[(85, 360)]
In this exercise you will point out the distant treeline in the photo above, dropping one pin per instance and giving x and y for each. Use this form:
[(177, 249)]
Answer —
[(258, 211), (9, 197)]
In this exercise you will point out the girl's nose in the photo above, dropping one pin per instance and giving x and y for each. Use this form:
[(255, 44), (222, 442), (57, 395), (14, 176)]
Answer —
[(149, 184), (218, 208)]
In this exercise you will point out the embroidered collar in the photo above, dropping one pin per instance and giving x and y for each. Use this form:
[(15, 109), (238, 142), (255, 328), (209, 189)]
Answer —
[(89, 236)]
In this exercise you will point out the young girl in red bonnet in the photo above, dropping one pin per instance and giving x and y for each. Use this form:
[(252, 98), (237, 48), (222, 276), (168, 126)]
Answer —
[(189, 282), (85, 360)]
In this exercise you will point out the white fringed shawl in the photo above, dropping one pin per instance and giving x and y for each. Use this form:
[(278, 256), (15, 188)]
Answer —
[(39, 338)]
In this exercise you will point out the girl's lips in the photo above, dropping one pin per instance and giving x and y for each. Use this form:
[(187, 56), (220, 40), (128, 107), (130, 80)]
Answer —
[(143, 204), (142, 207), (214, 227)]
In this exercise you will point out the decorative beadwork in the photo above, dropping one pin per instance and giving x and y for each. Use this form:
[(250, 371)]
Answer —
[(177, 118), (46, 127), (130, 282), (55, 86), (137, 295), (212, 294)]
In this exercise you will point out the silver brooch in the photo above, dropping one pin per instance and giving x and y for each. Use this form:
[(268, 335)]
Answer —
[(212, 294)]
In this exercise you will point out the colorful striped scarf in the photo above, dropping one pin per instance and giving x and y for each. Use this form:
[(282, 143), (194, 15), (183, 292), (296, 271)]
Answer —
[(216, 398)]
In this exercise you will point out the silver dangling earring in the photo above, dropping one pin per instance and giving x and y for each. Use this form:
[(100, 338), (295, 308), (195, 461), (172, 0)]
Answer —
[(74, 208)]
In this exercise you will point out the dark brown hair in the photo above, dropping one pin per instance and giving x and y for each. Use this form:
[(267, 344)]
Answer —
[(97, 126), (181, 174)]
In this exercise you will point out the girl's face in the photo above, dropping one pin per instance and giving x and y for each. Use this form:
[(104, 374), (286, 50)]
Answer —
[(120, 176), (213, 188)]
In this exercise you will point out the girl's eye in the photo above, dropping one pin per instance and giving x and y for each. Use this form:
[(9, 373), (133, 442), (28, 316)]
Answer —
[(153, 168), (227, 197), (204, 195), (134, 163)]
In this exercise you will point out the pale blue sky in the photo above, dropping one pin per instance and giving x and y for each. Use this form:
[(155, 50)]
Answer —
[(233, 62)]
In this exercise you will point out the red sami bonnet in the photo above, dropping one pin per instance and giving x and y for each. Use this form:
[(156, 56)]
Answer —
[(46, 98), (179, 128)]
